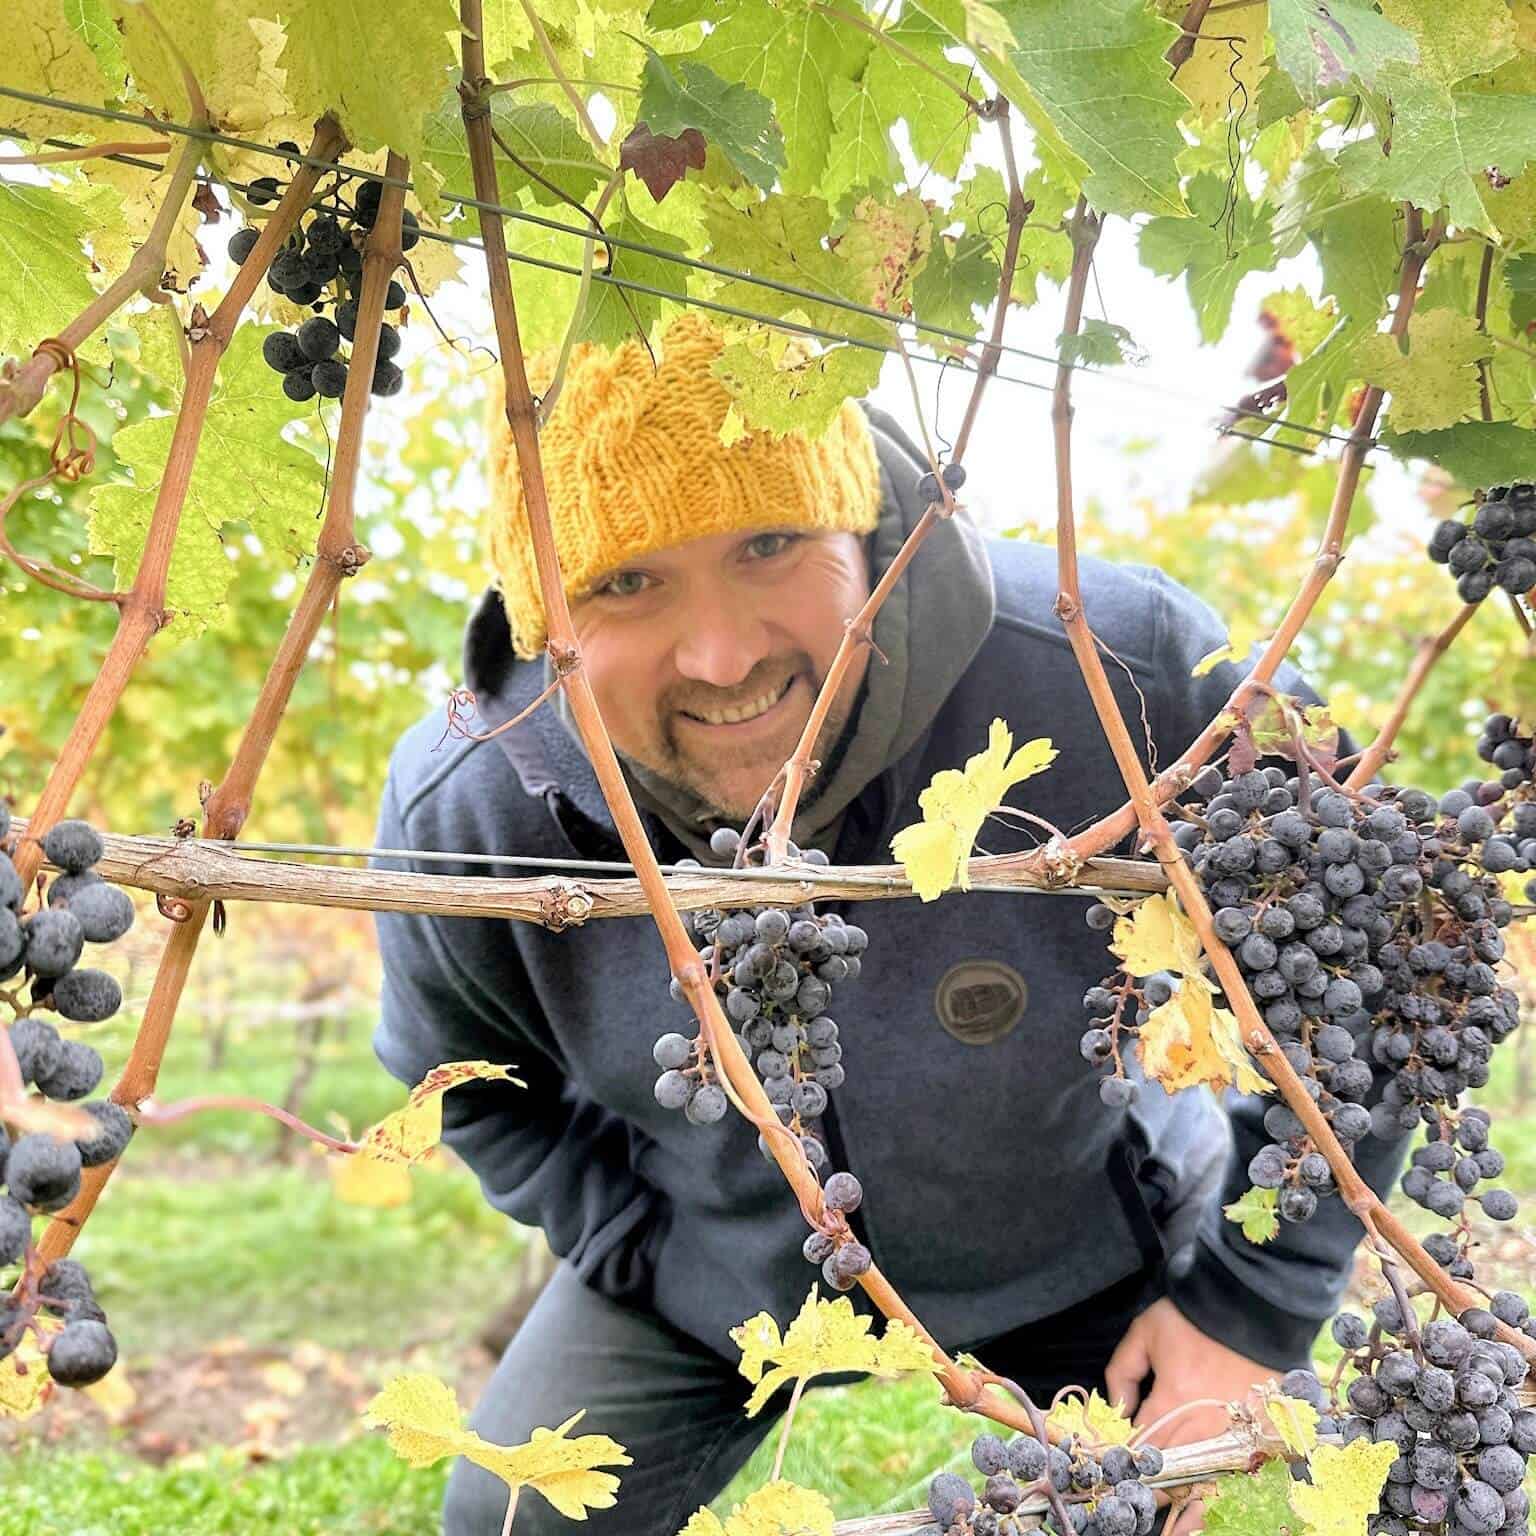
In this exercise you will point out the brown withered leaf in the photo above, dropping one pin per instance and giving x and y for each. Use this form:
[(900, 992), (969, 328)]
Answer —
[(206, 201), (661, 160)]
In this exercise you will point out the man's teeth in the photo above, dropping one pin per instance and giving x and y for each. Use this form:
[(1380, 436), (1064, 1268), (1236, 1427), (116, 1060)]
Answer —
[(750, 711)]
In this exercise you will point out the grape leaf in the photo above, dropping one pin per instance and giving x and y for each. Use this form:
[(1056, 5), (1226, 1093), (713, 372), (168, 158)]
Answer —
[(1357, 245), (1156, 936), (1520, 273), (25, 1384), (1435, 383), (826, 1336), (939, 122), (1293, 1420), (861, 151), (1475, 453), (45, 285), (505, 29), (661, 160), (1188, 1041), (887, 238), (45, 55), (245, 470), (1221, 78), (1127, 135), (680, 92), (960, 275), (1256, 1505), (1243, 634), (540, 135), (776, 1509), (379, 66), (1345, 1487), (1324, 44), (1198, 248), (365, 1179), (408, 1135), (934, 851), (1472, 38), (1302, 323), (1255, 1213), (1101, 344), (793, 391), (425, 1424), (1092, 1419), (1316, 388), (92, 21), (793, 55)]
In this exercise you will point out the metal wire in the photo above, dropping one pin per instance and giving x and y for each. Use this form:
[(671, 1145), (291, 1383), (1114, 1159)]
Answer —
[(640, 247)]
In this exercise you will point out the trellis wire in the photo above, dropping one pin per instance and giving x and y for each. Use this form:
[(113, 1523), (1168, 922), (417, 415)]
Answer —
[(674, 258)]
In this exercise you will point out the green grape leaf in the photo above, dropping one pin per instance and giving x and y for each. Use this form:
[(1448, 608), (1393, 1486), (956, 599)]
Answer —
[(939, 122), (1128, 134), (246, 469), (547, 141), (1256, 1505), (1357, 245), (1434, 384), (793, 55), (46, 55), (1303, 323), (1324, 44), (1317, 387), (1470, 38), (1211, 267), (1255, 1212), (1520, 273), (1475, 453), (861, 150), (774, 389), (92, 20), (1099, 344), (45, 285), (504, 30), (960, 276), (379, 66), (679, 93)]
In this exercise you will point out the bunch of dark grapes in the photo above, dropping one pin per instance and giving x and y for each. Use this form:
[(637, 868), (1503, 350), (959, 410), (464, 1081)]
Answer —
[(1445, 1395), (1367, 929), (1103, 1489), (774, 970), (1496, 549), (322, 265), (40, 1173)]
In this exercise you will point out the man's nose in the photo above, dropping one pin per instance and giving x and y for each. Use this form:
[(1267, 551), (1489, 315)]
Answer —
[(722, 640)]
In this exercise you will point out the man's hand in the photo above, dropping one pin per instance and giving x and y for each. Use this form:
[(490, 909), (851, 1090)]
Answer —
[(1188, 1366)]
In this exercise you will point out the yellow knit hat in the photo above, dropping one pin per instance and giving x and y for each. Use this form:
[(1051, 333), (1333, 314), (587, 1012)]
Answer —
[(634, 463)]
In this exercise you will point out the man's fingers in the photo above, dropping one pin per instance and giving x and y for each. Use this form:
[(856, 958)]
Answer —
[(1190, 1518), (1127, 1369)]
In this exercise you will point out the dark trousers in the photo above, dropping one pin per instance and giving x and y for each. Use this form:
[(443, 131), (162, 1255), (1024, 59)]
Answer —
[(677, 1407)]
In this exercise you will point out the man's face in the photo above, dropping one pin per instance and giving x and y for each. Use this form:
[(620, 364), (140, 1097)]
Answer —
[(738, 624)]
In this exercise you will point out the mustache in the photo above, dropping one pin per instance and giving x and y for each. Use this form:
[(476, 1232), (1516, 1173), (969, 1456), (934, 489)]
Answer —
[(766, 678)]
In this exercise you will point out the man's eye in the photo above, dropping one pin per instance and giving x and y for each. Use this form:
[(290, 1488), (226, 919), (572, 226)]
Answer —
[(624, 584), (765, 545)]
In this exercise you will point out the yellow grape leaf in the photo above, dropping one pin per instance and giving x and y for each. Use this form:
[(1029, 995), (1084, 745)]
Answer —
[(1294, 1421), (1345, 1487), (369, 1180), (1093, 1418), (1188, 1041), (1221, 78), (1304, 324), (1255, 1213), (422, 1416), (776, 1509), (113, 1394), (1156, 937), (45, 56), (1242, 636), (425, 1424), (409, 1134), (1435, 383), (826, 1336), (25, 1384), (933, 852)]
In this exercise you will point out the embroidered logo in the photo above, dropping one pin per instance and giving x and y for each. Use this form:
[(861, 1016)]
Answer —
[(979, 1001)]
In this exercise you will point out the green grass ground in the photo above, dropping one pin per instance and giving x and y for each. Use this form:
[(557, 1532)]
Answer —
[(257, 1314)]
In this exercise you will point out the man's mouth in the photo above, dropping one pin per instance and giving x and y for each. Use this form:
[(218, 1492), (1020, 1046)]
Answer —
[(740, 714)]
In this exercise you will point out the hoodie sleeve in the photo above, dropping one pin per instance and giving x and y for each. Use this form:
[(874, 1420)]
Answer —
[(544, 1155), (1266, 1302)]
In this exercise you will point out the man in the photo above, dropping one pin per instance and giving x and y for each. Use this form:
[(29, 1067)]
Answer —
[(1022, 1220)]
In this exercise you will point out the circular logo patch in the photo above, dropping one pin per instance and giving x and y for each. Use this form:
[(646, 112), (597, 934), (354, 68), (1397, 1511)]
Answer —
[(979, 1001)]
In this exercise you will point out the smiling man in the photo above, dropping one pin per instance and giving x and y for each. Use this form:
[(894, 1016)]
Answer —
[(1022, 1219)]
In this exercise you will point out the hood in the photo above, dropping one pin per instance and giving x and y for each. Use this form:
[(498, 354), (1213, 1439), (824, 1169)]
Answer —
[(929, 630)]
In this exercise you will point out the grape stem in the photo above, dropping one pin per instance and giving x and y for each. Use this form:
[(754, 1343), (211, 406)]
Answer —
[(1354, 1191), (151, 1113), (789, 1419)]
